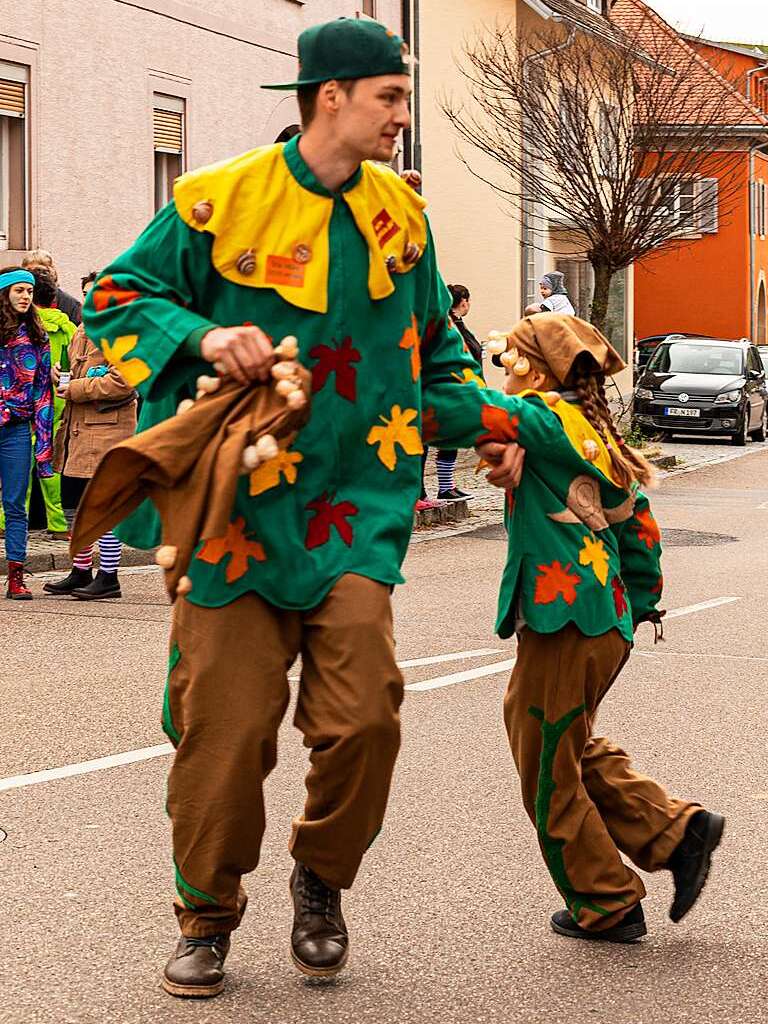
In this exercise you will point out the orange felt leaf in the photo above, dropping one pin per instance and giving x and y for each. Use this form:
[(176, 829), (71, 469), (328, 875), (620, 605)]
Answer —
[(106, 293), (500, 425), (648, 530), (268, 474), (411, 340), (236, 544), (556, 581)]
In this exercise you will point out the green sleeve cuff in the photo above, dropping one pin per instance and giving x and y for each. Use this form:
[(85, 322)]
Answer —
[(193, 341)]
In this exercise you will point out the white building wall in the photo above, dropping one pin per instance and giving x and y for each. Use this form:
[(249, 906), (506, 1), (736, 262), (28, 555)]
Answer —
[(95, 65)]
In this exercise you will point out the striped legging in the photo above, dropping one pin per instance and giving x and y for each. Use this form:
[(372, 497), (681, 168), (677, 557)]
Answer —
[(110, 548)]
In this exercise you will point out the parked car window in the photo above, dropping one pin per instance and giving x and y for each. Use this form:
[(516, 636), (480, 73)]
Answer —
[(754, 361), (763, 353), (688, 358)]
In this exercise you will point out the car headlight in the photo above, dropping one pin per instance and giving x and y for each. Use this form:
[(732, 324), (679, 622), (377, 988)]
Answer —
[(728, 398), (643, 393)]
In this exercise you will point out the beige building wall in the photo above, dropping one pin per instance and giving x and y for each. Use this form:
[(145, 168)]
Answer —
[(94, 67), (478, 242)]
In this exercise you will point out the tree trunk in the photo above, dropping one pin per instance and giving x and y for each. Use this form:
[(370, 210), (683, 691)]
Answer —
[(599, 310)]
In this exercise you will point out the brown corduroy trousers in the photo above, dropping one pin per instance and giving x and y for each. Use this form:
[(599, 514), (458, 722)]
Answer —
[(227, 695), (580, 791)]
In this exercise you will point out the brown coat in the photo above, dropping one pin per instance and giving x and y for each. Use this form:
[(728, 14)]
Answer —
[(100, 412)]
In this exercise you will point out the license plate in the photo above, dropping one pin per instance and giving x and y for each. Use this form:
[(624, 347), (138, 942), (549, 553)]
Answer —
[(674, 410)]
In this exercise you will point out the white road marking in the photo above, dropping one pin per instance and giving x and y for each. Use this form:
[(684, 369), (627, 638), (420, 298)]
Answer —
[(716, 602), (84, 767), (148, 753), (461, 677)]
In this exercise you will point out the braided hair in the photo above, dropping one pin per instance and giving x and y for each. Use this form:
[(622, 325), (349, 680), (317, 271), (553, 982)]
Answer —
[(628, 465)]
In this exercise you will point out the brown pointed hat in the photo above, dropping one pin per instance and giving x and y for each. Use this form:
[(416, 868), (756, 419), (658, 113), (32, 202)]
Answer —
[(557, 340)]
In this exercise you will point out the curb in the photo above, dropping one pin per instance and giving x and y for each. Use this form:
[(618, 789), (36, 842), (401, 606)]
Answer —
[(59, 559), (445, 513)]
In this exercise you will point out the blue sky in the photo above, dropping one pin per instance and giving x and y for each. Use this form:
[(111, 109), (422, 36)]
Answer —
[(735, 20)]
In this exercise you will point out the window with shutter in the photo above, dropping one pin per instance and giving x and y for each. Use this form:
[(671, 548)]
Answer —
[(168, 132), (707, 205), (14, 83)]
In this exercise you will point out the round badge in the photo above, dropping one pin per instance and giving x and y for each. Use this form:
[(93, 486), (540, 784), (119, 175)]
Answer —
[(302, 253)]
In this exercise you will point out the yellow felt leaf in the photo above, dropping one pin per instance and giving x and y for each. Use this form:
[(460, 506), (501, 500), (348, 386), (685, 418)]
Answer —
[(267, 475), (396, 430), (593, 553), (134, 370), (468, 376)]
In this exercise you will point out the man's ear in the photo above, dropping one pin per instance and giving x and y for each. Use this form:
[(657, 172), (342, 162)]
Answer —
[(329, 96)]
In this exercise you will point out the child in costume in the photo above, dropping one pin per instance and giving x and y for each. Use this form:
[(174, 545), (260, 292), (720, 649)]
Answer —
[(582, 572)]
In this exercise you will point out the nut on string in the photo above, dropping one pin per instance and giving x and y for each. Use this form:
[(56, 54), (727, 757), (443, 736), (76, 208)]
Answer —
[(497, 343), (296, 400), (285, 388), (184, 586), (285, 371), (166, 556), (288, 348), (184, 406), (591, 450), (522, 367), (509, 358), (267, 448), (208, 384), (552, 397)]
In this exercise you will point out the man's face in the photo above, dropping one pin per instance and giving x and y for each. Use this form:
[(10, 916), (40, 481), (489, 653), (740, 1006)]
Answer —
[(47, 267), (20, 296), (372, 115)]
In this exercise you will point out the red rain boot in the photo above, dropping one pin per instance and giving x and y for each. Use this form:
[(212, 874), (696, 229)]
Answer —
[(16, 590)]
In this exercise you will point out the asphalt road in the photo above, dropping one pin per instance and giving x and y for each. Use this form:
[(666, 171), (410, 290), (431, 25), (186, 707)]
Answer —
[(449, 917)]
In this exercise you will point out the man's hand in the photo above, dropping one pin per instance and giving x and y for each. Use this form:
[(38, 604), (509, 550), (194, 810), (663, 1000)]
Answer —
[(507, 461), (244, 353), (56, 375), (63, 392)]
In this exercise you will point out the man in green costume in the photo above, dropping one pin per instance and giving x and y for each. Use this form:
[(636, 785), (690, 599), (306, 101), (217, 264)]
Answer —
[(316, 239)]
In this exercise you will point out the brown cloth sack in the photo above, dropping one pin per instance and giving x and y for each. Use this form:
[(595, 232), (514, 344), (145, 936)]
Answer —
[(188, 466)]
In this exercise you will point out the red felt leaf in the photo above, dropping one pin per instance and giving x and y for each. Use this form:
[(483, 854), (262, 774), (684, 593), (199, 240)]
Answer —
[(659, 586), (429, 427), (556, 581), (619, 595), (328, 515), (336, 359), (431, 331), (500, 425)]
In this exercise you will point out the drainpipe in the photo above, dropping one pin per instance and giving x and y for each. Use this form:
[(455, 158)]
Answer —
[(527, 61), (762, 147), (405, 15), (416, 85)]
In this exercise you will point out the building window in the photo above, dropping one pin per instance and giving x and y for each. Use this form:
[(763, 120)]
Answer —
[(169, 141), (595, 5), (686, 207), (14, 107), (369, 8)]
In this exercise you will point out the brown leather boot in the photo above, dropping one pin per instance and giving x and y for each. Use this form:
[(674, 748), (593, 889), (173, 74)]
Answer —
[(319, 941), (16, 590), (196, 969)]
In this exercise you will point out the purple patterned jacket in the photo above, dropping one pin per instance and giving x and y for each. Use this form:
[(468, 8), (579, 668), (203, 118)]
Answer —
[(26, 393)]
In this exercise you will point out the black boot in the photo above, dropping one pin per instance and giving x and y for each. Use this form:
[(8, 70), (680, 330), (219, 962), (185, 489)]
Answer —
[(77, 578), (692, 858), (105, 585), (319, 941), (630, 928), (196, 969)]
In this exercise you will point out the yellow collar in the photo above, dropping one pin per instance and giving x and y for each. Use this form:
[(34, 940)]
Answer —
[(269, 231)]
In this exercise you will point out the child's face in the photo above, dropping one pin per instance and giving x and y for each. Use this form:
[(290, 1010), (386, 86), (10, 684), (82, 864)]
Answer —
[(545, 292), (532, 381)]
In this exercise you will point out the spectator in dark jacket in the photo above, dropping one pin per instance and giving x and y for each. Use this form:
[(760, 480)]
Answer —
[(41, 259)]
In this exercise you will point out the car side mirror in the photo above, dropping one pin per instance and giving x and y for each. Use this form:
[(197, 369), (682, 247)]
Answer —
[(756, 374)]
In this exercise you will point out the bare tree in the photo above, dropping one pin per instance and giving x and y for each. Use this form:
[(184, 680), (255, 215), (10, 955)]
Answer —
[(621, 144)]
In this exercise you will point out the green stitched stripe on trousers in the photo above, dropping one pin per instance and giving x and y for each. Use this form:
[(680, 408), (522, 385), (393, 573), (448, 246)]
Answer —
[(182, 885), (168, 727)]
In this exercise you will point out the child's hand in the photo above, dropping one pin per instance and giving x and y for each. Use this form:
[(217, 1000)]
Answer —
[(507, 461)]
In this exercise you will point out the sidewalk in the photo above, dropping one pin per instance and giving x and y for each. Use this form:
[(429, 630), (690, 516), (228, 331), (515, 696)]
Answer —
[(485, 509)]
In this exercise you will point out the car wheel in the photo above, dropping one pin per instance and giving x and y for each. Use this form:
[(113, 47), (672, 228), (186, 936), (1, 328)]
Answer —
[(741, 436), (761, 434)]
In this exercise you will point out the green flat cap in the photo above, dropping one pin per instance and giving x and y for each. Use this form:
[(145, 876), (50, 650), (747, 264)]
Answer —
[(348, 48)]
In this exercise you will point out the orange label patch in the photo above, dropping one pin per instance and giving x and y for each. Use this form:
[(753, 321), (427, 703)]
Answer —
[(283, 270), (385, 227)]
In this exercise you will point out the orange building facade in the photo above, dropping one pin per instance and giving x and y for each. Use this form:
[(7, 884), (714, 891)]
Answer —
[(715, 282)]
